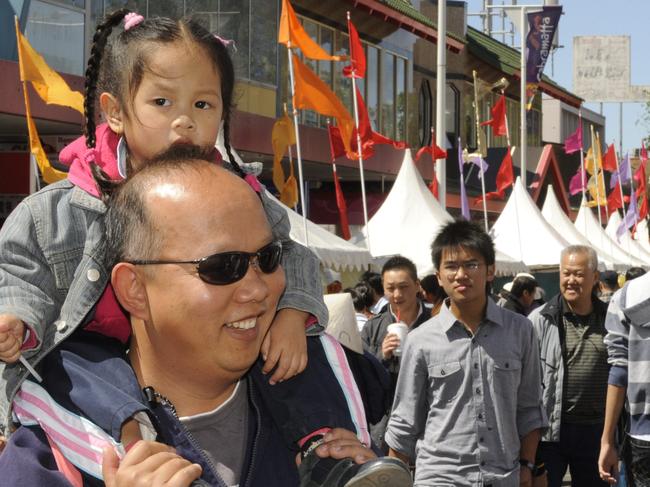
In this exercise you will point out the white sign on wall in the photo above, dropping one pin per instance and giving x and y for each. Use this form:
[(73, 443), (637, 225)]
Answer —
[(601, 70)]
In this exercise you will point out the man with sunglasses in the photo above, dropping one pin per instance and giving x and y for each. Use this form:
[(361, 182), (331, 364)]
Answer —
[(468, 407), (201, 290)]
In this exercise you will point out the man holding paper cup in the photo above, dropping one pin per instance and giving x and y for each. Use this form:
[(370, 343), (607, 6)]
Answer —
[(385, 334)]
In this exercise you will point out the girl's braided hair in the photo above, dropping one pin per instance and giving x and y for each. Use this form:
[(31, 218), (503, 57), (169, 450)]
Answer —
[(118, 63)]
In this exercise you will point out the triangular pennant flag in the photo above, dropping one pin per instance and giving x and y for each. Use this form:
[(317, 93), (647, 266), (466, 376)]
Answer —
[(573, 142), (343, 208), (289, 194), (609, 159), (578, 182), (49, 84), (505, 179), (337, 149), (624, 173), (357, 66), (292, 31), (498, 120), (313, 94), (614, 201), (630, 218), (283, 135), (433, 150)]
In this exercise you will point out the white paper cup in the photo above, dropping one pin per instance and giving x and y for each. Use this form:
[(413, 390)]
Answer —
[(401, 330)]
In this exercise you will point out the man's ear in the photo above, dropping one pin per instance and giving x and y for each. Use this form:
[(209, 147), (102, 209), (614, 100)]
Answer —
[(490, 273), (113, 112), (130, 290)]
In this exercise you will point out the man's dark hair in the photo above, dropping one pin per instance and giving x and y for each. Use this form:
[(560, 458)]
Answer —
[(373, 279), (400, 263), (465, 234), (361, 296), (431, 285), (130, 233), (633, 273), (609, 279), (521, 284)]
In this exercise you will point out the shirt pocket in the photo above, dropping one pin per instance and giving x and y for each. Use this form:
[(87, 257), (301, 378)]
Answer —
[(507, 374), (64, 265), (446, 380)]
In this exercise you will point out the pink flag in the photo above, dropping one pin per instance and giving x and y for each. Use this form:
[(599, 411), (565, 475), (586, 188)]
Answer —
[(573, 142), (578, 182)]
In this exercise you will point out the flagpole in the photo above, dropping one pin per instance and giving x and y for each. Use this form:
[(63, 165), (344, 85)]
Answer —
[(620, 187), (298, 153), (582, 156), (522, 94), (359, 148), (593, 159)]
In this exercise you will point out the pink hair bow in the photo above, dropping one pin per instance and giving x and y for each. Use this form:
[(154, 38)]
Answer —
[(226, 42), (131, 20)]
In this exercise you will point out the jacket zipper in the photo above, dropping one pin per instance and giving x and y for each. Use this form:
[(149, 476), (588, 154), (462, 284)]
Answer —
[(257, 436), (170, 407)]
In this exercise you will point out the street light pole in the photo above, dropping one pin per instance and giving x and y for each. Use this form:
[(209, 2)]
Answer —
[(441, 101)]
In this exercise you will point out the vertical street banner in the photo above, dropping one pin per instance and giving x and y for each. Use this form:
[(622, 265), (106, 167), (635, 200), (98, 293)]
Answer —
[(542, 25)]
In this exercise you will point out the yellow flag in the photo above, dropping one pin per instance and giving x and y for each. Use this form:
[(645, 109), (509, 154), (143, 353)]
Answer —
[(596, 187), (50, 174), (49, 84), (289, 195), (283, 135)]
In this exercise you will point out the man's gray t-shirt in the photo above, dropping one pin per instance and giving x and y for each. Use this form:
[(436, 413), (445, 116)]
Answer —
[(222, 434)]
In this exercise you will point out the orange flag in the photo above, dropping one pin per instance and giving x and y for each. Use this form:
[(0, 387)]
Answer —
[(283, 135), (292, 31), (312, 93), (289, 193)]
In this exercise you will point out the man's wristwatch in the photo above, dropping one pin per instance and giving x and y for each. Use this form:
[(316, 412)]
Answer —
[(536, 470)]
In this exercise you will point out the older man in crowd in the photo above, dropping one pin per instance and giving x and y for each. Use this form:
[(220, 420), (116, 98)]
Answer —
[(197, 329), (571, 330)]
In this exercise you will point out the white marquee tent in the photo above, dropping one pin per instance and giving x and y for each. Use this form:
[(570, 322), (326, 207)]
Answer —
[(588, 225), (641, 235), (330, 249), (523, 233), (555, 216), (410, 218), (626, 241)]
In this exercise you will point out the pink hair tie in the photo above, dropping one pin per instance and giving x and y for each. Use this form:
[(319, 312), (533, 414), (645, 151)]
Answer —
[(253, 183), (131, 20), (226, 42)]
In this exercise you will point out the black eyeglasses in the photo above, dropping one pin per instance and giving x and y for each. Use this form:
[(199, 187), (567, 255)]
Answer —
[(229, 267)]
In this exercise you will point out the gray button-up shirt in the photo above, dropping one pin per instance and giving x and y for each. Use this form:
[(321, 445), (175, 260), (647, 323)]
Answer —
[(463, 402)]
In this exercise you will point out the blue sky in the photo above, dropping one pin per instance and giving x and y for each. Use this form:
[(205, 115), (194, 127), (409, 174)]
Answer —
[(598, 17)]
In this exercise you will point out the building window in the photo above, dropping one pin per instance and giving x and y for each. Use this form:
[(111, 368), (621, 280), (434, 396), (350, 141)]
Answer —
[(451, 111), (57, 33), (387, 82), (425, 108), (372, 89), (250, 23)]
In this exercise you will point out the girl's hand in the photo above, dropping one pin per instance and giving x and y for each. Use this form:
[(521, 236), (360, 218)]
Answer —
[(285, 345), (12, 331), (148, 463)]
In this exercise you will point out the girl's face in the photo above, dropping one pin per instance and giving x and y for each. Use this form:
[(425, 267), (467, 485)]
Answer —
[(178, 102)]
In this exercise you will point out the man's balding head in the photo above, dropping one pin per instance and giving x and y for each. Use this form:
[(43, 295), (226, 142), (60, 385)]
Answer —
[(175, 212)]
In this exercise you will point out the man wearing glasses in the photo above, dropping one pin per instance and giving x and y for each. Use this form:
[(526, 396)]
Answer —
[(468, 406), (197, 328)]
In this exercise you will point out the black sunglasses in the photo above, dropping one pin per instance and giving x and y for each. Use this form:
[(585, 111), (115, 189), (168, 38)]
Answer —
[(228, 267)]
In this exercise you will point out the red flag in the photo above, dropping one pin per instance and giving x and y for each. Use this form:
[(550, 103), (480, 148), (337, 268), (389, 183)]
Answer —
[(378, 139), (343, 208), (614, 199), (573, 142), (337, 148), (435, 151), (498, 121), (640, 178), (357, 67), (609, 159), (505, 178), (434, 186), (644, 153)]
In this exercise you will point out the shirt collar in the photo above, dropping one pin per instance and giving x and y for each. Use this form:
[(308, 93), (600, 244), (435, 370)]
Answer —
[(390, 310), (492, 315)]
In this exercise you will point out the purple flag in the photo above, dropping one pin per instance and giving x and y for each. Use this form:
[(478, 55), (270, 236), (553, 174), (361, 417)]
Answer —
[(480, 163), (539, 43), (573, 142), (631, 217), (624, 172), (578, 182), (464, 204)]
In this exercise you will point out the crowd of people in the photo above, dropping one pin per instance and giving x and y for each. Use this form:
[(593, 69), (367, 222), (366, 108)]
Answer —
[(147, 337)]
